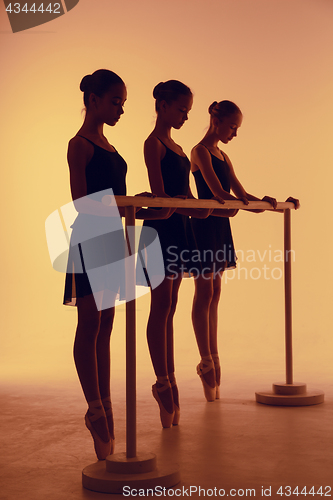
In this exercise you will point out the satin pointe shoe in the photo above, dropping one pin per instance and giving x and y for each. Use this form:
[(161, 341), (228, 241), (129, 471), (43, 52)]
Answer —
[(217, 366), (166, 417), (102, 448), (206, 365), (175, 400), (109, 417)]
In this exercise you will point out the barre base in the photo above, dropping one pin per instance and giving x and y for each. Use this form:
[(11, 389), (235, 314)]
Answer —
[(295, 394), (118, 471)]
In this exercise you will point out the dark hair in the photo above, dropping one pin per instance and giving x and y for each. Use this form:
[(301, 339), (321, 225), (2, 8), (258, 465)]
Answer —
[(170, 91), (98, 83), (223, 109)]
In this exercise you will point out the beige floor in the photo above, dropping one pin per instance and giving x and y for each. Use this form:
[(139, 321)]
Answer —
[(231, 444)]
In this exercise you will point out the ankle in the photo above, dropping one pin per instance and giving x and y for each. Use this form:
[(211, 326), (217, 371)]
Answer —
[(107, 403), (95, 403), (174, 388), (109, 415), (216, 359), (207, 361), (95, 407), (217, 366), (162, 382), (163, 395)]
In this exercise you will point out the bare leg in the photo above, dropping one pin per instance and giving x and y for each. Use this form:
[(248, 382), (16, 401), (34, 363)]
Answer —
[(201, 322), (103, 351), (213, 315), (85, 358), (85, 346), (174, 299), (161, 299), (213, 320), (170, 342), (103, 363), (160, 307)]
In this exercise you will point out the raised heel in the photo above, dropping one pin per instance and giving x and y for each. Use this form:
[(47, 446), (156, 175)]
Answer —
[(205, 366), (166, 417), (102, 448), (109, 418)]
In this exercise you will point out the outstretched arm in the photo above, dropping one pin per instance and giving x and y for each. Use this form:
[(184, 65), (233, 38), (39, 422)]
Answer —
[(243, 195), (201, 159)]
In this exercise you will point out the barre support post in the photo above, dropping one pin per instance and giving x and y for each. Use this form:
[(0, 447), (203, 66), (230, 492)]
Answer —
[(137, 470), (130, 342), (289, 393), (287, 296)]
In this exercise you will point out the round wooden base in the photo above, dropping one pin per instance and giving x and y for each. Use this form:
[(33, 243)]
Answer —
[(290, 395), (118, 472)]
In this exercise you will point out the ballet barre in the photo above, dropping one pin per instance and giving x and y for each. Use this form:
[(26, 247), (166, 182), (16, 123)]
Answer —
[(145, 201), (140, 470)]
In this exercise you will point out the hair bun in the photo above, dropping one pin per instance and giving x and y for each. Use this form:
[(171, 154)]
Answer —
[(157, 90), (212, 106), (85, 83)]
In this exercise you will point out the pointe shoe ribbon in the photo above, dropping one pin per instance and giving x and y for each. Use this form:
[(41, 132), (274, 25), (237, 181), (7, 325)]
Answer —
[(205, 366), (102, 448), (166, 417), (217, 366), (175, 407), (109, 417)]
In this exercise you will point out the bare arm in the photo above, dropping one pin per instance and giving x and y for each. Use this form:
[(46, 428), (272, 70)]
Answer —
[(79, 154), (154, 152), (243, 195), (201, 159)]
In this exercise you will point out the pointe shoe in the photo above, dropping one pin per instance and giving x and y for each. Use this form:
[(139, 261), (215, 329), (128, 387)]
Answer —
[(175, 407), (166, 417), (109, 417), (217, 366), (177, 415), (205, 366), (102, 448)]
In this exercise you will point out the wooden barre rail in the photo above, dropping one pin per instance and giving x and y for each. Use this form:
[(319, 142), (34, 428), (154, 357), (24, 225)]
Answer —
[(145, 201), (130, 202)]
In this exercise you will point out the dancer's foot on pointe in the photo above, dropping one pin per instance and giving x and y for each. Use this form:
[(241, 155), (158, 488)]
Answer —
[(109, 418), (96, 423), (162, 392), (206, 372)]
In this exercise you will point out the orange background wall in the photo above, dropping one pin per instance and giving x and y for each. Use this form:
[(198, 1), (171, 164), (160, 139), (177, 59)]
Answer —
[(274, 59)]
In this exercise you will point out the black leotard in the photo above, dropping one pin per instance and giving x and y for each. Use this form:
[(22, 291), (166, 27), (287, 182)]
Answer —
[(105, 170), (213, 235), (172, 232)]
